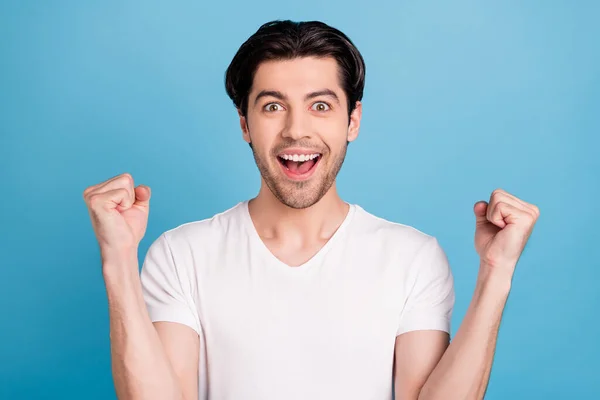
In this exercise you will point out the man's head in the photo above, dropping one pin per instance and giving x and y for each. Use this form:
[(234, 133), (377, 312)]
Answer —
[(297, 87)]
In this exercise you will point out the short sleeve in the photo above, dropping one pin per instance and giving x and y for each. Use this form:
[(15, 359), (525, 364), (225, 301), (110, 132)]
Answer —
[(430, 298), (163, 287)]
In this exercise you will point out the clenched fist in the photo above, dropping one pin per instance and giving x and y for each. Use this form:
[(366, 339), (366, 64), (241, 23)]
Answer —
[(119, 214), (503, 227)]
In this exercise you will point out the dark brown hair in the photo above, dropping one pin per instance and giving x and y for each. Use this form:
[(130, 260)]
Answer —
[(284, 40)]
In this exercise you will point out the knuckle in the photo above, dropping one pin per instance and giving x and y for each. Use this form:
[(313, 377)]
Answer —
[(126, 180), (94, 200), (501, 205), (127, 176), (87, 191)]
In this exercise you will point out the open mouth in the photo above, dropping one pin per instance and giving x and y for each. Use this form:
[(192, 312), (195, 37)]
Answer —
[(299, 166)]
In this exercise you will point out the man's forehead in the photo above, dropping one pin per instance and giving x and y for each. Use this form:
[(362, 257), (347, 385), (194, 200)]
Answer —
[(298, 76)]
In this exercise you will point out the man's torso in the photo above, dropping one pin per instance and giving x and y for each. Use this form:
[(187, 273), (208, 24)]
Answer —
[(322, 330)]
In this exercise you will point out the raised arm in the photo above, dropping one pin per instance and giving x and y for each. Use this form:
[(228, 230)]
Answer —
[(148, 362), (427, 367)]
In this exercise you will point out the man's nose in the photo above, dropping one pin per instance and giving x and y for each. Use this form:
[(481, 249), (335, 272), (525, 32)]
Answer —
[(297, 125)]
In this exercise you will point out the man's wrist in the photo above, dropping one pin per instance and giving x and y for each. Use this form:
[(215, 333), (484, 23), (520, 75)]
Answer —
[(494, 281), (119, 265)]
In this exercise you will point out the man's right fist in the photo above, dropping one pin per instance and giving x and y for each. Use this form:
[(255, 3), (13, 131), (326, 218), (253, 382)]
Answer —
[(119, 214)]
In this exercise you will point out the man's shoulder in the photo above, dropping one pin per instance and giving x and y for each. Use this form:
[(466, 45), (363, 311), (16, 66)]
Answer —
[(375, 227), (404, 244), (210, 227)]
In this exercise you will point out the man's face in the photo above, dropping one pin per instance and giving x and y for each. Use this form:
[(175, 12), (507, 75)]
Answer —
[(297, 124)]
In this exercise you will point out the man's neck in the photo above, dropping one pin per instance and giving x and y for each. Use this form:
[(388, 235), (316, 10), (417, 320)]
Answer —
[(275, 220)]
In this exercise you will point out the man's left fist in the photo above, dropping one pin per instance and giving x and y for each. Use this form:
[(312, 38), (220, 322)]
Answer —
[(503, 227)]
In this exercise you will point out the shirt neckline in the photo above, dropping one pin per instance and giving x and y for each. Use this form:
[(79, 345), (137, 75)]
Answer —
[(255, 237)]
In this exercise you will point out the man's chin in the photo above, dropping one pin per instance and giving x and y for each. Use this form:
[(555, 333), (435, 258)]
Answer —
[(299, 204), (296, 194), (299, 195)]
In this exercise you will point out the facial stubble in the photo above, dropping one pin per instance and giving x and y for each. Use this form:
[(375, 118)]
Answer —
[(298, 195)]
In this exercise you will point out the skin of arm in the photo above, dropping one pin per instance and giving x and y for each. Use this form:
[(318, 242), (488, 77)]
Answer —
[(149, 361), (429, 367)]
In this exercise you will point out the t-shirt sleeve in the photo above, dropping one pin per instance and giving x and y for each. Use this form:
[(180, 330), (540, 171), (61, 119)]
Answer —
[(165, 287), (430, 298)]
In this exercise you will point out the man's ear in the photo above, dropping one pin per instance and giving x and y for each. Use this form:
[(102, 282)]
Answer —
[(244, 126), (354, 125)]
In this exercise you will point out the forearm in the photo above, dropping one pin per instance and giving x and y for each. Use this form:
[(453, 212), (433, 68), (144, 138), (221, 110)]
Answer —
[(463, 371), (140, 366)]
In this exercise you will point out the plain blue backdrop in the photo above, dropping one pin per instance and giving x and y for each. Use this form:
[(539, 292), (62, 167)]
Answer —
[(461, 97)]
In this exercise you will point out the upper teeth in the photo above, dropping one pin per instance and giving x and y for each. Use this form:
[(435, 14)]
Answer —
[(299, 157)]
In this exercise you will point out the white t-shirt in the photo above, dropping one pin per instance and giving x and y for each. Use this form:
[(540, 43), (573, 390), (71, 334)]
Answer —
[(322, 330)]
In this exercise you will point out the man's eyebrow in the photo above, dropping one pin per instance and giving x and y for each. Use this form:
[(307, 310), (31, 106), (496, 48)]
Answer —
[(324, 92), (278, 95), (269, 93)]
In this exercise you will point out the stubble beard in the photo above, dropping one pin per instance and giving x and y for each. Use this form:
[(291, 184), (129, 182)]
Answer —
[(299, 195)]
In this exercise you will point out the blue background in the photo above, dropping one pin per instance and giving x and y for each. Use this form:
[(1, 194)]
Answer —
[(461, 98)]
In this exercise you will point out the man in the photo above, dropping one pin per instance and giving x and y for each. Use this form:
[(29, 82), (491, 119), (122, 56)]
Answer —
[(296, 294)]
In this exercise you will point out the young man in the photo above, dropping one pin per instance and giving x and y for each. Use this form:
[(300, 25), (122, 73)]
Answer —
[(296, 294)]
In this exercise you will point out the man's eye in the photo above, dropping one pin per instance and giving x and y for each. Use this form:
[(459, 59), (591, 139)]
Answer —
[(320, 106), (272, 107)]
